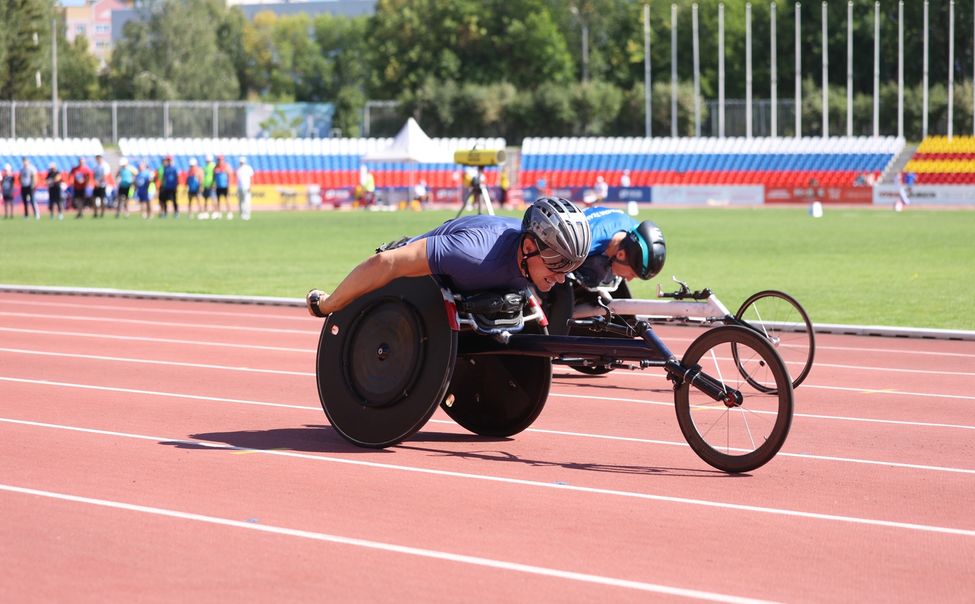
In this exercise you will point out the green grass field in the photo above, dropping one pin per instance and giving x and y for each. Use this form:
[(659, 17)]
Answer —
[(854, 266)]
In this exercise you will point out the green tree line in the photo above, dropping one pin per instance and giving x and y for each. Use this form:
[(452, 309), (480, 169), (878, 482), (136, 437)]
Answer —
[(509, 68)]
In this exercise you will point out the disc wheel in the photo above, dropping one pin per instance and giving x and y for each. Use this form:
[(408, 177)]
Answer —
[(780, 318), (498, 395), (384, 362), (747, 431)]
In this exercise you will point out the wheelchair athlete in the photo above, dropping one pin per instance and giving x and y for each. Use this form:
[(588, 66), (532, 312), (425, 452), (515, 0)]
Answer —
[(476, 253), (621, 247)]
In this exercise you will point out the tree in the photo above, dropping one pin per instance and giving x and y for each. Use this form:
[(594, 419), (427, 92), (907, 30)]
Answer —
[(24, 24), (173, 54)]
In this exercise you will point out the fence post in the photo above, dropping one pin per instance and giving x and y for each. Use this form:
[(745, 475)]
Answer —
[(165, 124), (115, 122), (774, 74), (13, 119), (216, 119)]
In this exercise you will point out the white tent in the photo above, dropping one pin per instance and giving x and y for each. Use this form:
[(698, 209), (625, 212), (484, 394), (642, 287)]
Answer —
[(412, 145)]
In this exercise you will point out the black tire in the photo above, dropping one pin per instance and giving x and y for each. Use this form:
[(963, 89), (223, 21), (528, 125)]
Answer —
[(780, 318), (749, 433), (385, 361)]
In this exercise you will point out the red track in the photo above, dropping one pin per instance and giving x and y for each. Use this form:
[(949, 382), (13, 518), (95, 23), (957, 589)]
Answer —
[(168, 451)]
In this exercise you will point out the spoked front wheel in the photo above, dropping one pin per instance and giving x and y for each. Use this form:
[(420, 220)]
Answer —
[(747, 429), (780, 318)]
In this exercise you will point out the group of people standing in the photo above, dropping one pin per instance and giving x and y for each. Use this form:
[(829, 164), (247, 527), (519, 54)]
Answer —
[(206, 188)]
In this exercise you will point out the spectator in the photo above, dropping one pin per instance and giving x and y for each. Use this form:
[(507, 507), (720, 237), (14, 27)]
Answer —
[(421, 194), (245, 174), (81, 184), (625, 179), (194, 187), (7, 191), (601, 189), (53, 179), (505, 183), (143, 180), (124, 181), (28, 180), (209, 189), (168, 184), (221, 181), (100, 173)]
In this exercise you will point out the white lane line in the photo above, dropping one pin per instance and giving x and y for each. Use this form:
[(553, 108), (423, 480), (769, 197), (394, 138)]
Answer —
[(394, 548), (890, 369), (83, 334), (94, 357), (300, 315), (911, 526), (897, 351), (159, 323), (154, 393), (318, 409), (809, 415), (558, 394), (807, 386)]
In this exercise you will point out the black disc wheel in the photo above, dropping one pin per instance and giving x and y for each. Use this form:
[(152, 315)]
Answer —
[(384, 362), (746, 429), (498, 395), (781, 320)]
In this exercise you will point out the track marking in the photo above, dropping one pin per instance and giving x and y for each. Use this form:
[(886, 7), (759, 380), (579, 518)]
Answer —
[(154, 362), (300, 315), (394, 548), (808, 386), (81, 334), (535, 430), (897, 351), (926, 528), (159, 323), (809, 415)]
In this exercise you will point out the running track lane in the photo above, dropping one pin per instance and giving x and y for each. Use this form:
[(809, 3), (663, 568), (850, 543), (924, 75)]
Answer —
[(109, 470)]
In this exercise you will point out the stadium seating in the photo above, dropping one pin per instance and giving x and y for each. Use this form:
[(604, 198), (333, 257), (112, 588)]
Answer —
[(63, 152), (329, 163), (781, 162), (939, 160)]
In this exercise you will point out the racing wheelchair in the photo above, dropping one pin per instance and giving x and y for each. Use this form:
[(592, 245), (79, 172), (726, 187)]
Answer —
[(389, 359), (773, 314)]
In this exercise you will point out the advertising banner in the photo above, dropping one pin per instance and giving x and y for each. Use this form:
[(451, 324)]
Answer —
[(826, 195), (919, 195), (709, 195)]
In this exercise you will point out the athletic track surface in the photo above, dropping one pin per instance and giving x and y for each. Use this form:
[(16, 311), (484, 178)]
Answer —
[(166, 451)]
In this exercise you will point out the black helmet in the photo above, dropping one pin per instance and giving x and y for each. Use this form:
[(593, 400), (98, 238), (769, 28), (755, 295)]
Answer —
[(645, 249), (561, 230)]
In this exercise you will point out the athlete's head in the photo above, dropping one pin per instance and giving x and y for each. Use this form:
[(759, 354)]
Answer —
[(645, 250), (557, 240)]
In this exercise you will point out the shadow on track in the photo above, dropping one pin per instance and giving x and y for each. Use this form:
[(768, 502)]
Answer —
[(503, 456), (309, 439), (323, 439)]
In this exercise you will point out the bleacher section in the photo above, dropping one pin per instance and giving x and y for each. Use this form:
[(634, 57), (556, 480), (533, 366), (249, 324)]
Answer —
[(773, 162), (938, 160), (327, 163), (42, 152)]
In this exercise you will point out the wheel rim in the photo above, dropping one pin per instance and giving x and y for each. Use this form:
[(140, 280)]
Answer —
[(781, 320), (744, 433)]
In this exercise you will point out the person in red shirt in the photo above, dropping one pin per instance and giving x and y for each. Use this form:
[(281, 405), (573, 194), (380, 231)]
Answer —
[(81, 179)]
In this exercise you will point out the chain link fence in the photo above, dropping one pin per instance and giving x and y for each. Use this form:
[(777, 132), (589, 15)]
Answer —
[(109, 121)]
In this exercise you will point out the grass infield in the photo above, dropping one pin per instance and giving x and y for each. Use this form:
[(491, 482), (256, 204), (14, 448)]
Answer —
[(853, 266)]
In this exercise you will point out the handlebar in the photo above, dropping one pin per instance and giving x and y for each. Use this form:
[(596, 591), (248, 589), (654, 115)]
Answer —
[(683, 292)]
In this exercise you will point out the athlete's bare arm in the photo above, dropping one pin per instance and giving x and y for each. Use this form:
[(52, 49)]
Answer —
[(376, 271)]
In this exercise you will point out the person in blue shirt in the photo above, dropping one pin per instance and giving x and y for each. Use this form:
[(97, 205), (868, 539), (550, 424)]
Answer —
[(621, 247), (124, 180), (143, 179), (168, 183), (476, 253)]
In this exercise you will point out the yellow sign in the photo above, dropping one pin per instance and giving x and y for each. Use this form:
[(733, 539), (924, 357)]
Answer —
[(480, 157)]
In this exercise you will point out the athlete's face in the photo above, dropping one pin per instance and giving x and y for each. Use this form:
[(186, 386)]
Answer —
[(540, 274), (621, 268)]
